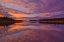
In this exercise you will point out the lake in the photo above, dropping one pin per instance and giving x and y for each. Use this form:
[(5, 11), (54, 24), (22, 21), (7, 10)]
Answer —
[(32, 32)]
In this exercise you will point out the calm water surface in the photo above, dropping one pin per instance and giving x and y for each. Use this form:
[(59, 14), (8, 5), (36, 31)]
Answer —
[(32, 32)]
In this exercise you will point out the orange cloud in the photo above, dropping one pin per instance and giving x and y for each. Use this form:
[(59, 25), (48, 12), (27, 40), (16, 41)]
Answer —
[(30, 7), (18, 14), (1, 15), (5, 0)]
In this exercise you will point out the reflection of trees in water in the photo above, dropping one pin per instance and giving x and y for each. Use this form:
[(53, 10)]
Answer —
[(6, 23)]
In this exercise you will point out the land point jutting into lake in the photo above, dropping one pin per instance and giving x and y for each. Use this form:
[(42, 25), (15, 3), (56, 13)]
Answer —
[(50, 21), (8, 21)]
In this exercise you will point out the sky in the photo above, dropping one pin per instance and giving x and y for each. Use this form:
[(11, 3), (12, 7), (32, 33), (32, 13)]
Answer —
[(34, 8)]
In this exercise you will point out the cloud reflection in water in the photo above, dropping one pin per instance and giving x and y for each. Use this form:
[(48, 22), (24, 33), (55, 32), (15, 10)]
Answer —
[(33, 33)]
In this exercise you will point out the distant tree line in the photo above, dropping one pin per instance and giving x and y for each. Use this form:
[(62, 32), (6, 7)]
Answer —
[(6, 19), (54, 19)]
